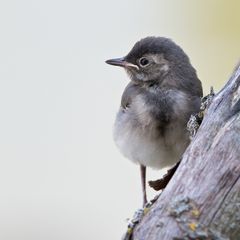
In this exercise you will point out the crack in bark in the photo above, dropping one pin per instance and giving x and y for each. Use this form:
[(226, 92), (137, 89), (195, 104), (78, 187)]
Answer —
[(223, 199)]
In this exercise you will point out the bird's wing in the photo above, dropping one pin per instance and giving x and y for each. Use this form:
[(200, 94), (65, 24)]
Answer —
[(130, 92)]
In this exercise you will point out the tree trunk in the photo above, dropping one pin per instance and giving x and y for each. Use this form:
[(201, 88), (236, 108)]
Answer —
[(202, 200)]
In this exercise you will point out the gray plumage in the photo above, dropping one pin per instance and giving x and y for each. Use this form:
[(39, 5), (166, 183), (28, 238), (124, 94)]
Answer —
[(150, 127)]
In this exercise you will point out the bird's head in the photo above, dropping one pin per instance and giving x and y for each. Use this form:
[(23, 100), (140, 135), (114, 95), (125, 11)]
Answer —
[(150, 59)]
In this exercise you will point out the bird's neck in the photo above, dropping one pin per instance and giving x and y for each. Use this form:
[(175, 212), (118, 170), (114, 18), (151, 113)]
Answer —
[(156, 85), (150, 84)]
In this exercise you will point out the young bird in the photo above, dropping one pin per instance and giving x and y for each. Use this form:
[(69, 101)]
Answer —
[(150, 126)]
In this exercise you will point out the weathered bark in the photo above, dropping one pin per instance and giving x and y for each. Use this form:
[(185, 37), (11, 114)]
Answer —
[(202, 200)]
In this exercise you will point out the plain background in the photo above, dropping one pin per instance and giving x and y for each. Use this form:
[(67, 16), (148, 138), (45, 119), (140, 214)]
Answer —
[(61, 176)]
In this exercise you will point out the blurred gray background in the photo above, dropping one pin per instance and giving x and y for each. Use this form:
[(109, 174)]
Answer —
[(61, 176)]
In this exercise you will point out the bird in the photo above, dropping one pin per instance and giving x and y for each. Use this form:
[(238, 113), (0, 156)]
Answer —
[(150, 128)]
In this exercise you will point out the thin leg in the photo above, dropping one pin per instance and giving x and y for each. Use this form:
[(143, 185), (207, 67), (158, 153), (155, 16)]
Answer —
[(143, 181)]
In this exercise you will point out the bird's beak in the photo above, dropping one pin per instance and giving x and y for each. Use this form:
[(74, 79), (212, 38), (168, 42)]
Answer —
[(121, 62)]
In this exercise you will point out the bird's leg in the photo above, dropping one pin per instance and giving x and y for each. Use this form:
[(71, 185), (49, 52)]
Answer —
[(162, 183), (143, 181)]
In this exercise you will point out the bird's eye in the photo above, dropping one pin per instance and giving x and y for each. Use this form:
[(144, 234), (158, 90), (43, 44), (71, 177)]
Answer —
[(143, 61)]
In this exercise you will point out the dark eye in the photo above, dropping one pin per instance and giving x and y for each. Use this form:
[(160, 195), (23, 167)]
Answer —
[(143, 61)]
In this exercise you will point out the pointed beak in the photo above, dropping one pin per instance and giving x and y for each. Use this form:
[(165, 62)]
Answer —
[(121, 62)]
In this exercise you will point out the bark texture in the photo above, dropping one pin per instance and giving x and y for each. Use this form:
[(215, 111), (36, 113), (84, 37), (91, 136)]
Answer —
[(202, 200)]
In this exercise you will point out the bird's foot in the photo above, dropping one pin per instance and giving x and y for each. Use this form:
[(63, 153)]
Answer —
[(160, 184)]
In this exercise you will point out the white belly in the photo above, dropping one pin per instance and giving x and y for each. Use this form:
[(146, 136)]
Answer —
[(141, 143)]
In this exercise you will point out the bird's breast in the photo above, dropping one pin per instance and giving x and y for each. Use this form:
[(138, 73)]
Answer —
[(147, 137)]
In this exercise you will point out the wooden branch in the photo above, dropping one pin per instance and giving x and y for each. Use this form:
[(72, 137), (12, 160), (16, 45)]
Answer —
[(202, 200)]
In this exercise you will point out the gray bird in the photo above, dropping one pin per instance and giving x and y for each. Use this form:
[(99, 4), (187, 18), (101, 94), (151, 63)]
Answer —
[(150, 126)]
